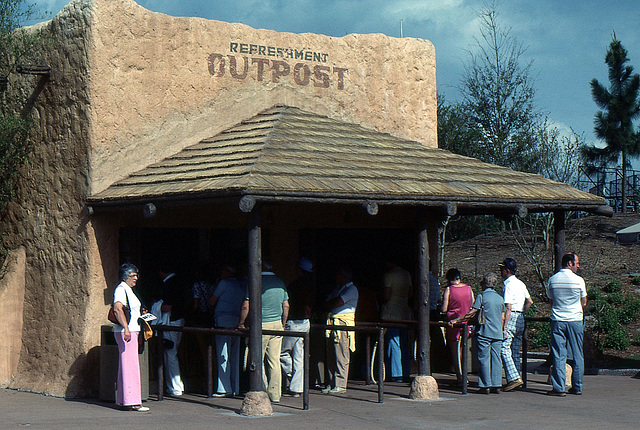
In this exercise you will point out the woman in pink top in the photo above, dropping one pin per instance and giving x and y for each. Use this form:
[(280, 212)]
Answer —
[(456, 302)]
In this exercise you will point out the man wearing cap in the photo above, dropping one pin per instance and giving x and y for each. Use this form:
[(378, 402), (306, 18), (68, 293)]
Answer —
[(302, 296), (568, 296), (516, 301)]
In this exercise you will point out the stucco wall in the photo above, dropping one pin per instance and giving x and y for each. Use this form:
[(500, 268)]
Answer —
[(11, 309), (47, 219), (154, 93)]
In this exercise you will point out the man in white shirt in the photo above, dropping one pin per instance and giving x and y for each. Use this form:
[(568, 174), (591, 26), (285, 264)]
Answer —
[(516, 302), (568, 296)]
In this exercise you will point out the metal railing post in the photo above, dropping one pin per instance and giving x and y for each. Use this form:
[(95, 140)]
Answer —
[(465, 358), (525, 347), (307, 353), (367, 364), (160, 360), (380, 365), (210, 364)]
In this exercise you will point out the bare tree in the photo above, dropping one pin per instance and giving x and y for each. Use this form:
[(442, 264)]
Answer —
[(499, 97)]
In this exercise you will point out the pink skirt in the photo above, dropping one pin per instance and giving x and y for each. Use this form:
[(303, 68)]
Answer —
[(129, 392)]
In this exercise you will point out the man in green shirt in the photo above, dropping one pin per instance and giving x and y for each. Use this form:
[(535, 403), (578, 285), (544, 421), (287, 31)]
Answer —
[(275, 310)]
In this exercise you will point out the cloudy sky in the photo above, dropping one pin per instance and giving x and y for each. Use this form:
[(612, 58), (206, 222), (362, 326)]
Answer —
[(566, 39)]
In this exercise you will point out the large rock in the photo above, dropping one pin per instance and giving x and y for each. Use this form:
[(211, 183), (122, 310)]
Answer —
[(255, 404), (424, 388)]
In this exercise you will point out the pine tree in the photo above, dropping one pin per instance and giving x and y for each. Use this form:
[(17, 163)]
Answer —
[(620, 106)]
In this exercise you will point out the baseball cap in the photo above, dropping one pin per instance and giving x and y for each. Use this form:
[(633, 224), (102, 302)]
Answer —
[(509, 264), (305, 264)]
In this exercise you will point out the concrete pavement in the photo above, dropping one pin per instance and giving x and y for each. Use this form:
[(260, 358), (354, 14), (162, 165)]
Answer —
[(608, 402)]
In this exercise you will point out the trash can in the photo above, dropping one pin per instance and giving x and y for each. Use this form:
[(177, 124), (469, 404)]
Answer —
[(109, 366)]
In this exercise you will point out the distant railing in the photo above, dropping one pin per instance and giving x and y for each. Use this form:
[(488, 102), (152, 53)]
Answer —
[(607, 183)]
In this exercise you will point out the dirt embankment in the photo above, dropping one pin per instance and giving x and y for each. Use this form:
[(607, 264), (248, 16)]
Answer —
[(593, 238)]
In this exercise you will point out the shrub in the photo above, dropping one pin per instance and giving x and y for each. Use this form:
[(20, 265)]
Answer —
[(594, 293), (612, 286), (630, 310), (539, 335), (635, 280), (617, 339), (616, 299), (607, 315)]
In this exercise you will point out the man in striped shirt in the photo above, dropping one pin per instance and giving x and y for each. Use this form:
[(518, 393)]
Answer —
[(568, 297)]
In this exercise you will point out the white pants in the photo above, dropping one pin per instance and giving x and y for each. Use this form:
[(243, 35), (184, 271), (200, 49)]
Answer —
[(175, 387), (292, 356)]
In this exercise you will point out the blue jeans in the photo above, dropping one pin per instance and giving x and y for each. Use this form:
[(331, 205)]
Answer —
[(490, 371), (567, 335), (228, 353), (398, 352)]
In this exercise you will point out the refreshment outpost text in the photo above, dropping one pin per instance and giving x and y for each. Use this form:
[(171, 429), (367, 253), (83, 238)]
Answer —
[(302, 73)]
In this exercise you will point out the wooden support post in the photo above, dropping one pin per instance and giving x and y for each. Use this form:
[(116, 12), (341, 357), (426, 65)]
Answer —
[(559, 236), (424, 386), (424, 366), (434, 251), (255, 302), (256, 402)]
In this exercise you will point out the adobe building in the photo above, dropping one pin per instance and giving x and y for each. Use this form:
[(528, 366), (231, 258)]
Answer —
[(161, 137)]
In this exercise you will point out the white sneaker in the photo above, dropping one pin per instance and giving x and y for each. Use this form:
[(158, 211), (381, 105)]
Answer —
[(138, 409), (337, 390)]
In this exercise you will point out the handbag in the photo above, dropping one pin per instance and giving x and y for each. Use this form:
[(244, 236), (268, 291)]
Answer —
[(111, 316), (146, 333), (482, 319), (145, 329)]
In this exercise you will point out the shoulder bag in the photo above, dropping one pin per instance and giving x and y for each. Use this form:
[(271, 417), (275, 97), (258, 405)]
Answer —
[(127, 312), (480, 318)]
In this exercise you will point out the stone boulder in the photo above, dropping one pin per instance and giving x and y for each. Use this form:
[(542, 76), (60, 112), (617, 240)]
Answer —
[(424, 388), (255, 404)]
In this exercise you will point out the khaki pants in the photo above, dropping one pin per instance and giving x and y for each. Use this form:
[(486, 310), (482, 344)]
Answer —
[(271, 372), (338, 358)]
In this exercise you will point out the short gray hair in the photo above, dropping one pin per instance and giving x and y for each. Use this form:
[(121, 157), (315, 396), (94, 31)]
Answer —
[(489, 280), (125, 270)]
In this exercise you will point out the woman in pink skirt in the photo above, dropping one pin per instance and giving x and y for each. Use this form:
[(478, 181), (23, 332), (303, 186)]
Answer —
[(129, 392), (456, 302)]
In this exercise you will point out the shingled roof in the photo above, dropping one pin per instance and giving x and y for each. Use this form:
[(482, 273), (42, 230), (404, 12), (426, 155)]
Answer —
[(288, 154)]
